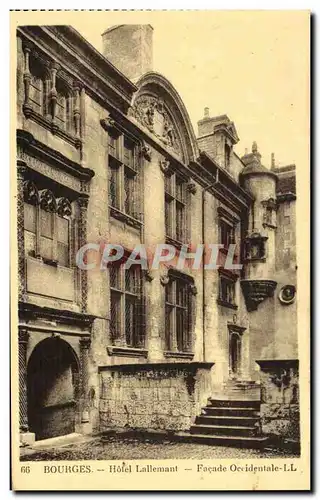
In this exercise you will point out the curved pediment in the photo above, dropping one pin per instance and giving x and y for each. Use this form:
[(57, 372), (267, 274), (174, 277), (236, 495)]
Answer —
[(158, 107)]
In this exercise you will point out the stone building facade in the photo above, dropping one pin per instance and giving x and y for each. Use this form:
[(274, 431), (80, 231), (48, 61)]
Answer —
[(106, 153)]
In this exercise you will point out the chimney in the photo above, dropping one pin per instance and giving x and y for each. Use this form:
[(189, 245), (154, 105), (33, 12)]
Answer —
[(129, 48)]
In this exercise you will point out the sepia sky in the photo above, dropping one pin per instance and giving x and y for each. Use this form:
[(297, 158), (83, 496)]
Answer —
[(253, 66)]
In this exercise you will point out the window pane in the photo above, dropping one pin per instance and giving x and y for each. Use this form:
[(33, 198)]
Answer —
[(130, 319), (36, 93), (113, 146), (132, 280), (181, 328), (169, 325), (46, 247), (180, 223), (46, 223), (170, 292), (181, 293), (30, 217), (168, 216), (128, 153), (129, 194), (180, 190), (63, 230), (63, 254), (168, 184), (29, 243), (115, 311), (114, 274), (113, 187)]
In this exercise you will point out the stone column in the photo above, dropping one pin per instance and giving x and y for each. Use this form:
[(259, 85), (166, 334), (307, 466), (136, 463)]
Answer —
[(21, 170), (85, 343), (26, 437), (83, 204), (23, 404)]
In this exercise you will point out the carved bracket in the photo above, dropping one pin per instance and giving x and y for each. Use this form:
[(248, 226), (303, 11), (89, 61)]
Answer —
[(256, 291), (164, 279), (164, 166), (192, 187), (146, 152)]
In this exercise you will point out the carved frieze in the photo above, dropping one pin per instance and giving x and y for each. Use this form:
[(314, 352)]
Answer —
[(151, 112)]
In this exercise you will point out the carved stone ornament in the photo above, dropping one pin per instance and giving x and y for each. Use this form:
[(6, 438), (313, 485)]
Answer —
[(30, 193), (255, 246), (193, 289), (47, 200), (108, 123), (192, 187), (164, 279), (148, 275), (64, 207), (151, 112), (146, 152), (164, 166), (287, 294), (256, 291)]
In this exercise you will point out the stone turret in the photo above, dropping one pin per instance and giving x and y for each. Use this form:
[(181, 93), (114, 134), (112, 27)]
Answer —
[(260, 239)]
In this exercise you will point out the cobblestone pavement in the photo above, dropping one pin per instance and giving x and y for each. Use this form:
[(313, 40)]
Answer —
[(115, 448)]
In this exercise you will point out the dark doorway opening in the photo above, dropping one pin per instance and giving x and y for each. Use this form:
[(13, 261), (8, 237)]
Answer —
[(235, 354), (52, 381)]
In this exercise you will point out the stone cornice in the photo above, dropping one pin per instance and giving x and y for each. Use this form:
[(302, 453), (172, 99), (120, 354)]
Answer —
[(193, 366), (274, 364), (32, 311), (226, 188), (282, 197), (27, 142)]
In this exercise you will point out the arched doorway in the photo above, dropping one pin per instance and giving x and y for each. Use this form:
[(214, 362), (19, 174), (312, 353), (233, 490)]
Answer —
[(53, 388)]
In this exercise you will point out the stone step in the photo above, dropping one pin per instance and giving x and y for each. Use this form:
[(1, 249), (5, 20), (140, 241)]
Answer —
[(224, 430), (222, 440), (231, 410), (230, 420), (237, 403)]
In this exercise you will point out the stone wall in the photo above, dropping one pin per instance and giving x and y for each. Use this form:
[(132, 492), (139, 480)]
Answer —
[(157, 396), (280, 415)]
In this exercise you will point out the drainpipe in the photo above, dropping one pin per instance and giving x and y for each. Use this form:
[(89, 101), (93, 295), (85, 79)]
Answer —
[(203, 261)]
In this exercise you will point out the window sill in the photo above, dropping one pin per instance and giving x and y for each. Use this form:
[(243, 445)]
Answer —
[(178, 354), (52, 126), (175, 243), (224, 303), (127, 219), (129, 352), (255, 259)]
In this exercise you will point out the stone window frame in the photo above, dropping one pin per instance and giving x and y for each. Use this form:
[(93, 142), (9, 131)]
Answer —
[(172, 347), (227, 288), (230, 220), (124, 172), (183, 200), (44, 201), (123, 295), (56, 83)]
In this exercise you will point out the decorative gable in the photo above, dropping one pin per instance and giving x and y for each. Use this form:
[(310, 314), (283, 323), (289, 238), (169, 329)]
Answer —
[(152, 113)]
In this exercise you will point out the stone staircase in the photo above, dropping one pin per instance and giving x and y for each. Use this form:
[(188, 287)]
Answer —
[(229, 422), (231, 418)]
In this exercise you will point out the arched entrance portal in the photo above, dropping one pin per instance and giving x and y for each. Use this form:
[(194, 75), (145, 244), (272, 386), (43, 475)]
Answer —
[(52, 381)]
